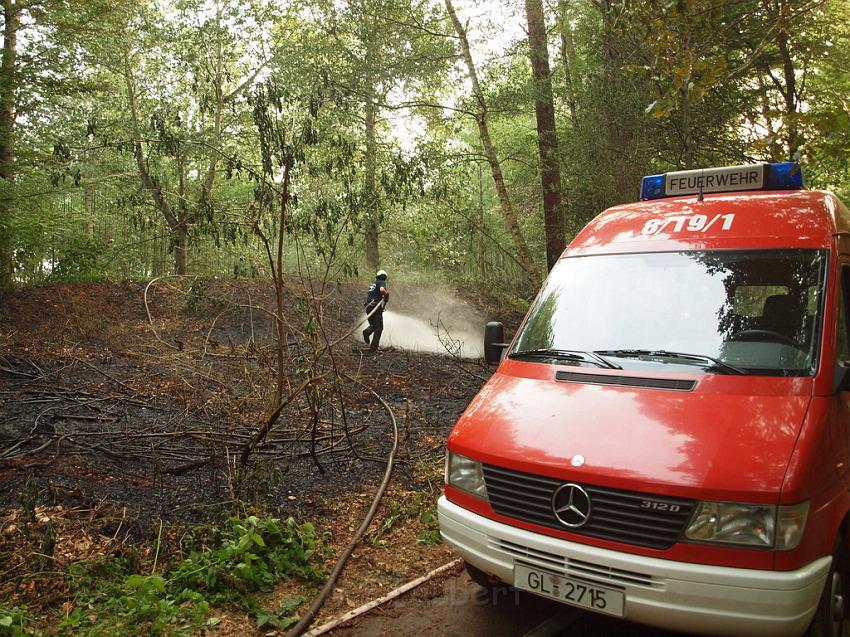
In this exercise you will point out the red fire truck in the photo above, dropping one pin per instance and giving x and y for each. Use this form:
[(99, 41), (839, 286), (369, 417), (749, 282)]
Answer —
[(667, 437)]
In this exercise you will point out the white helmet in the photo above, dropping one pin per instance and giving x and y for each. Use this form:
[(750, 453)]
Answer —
[(381, 274)]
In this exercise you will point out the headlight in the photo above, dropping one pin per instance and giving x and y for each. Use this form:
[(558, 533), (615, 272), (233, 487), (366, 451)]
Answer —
[(466, 475), (749, 524), (731, 523)]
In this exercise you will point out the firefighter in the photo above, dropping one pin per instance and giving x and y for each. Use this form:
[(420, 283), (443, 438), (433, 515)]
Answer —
[(376, 299)]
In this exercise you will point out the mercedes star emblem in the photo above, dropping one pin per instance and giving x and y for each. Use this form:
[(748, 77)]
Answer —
[(571, 505)]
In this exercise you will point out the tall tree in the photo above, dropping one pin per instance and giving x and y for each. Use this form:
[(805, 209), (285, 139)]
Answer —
[(524, 256), (797, 38), (179, 136), (827, 120), (568, 59), (46, 57), (547, 138), (8, 89), (687, 64), (618, 133), (384, 48)]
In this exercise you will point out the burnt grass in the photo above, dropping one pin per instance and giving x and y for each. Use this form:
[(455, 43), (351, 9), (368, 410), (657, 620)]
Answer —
[(103, 408)]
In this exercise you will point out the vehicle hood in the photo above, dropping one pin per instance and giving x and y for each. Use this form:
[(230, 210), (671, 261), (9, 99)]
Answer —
[(729, 438)]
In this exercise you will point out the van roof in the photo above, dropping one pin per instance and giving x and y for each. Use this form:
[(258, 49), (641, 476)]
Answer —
[(745, 220)]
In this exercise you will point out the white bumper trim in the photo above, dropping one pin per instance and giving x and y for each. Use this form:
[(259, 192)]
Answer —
[(711, 600)]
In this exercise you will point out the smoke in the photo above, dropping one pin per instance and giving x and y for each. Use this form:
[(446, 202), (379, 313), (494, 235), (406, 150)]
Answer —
[(432, 320)]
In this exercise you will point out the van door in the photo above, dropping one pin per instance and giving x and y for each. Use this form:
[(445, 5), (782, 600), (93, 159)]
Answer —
[(840, 429)]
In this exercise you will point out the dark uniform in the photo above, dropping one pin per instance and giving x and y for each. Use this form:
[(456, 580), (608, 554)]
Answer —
[(376, 296)]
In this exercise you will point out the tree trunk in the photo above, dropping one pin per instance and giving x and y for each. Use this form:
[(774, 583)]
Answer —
[(547, 137), (88, 207), (277, 273), (619, 137), (178, 221), (786, 83), (373, 256), (8, 82), (568, 57), (181, 248), (181, 229), (776, 150), (482, 252), (685, 133), (789, 95), (524, 257)]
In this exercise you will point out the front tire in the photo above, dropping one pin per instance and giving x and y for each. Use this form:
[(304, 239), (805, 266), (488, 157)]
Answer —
[(832, 607), (481, 578)]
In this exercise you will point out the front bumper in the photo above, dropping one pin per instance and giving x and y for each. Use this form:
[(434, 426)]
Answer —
[(696, 598)]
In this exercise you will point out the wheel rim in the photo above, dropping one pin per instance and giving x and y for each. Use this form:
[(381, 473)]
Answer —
[(836, 603)]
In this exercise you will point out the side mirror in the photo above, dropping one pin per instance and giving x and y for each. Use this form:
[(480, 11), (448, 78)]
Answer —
[(494, 342)]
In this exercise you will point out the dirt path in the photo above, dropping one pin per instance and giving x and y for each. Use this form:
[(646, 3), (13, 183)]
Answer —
[(457, 607), (454, 607)]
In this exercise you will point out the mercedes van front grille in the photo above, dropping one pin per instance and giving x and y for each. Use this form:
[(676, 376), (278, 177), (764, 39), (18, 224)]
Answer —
[(642, 519), (670, 384)]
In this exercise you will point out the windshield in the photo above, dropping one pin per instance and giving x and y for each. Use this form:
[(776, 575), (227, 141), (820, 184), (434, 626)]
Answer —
[(758, 310)]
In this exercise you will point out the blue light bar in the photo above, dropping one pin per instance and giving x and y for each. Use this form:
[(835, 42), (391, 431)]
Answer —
[(652, 187), (786, 175), (777, 176)]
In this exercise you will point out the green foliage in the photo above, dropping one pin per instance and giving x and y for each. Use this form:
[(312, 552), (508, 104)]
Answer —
[(419, 506), (28, 497), (196, 294), (250, 556), (253, 555), (79, 259), (227, 94), (282, 618), (14, 621), (142, 602), (430, 535)]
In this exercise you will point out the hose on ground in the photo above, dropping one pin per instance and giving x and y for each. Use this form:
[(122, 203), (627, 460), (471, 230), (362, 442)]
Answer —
[(315, 607)]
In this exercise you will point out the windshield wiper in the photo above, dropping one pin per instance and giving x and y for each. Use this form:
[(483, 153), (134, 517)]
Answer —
[(662, 353), (566, 354)]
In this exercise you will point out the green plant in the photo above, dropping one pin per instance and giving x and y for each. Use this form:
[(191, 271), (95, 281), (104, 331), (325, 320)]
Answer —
[(253, 555), (147, 602), (100, 576), (196, 294), (28, 498), (400, 509), (282, 618), (80, 259), (416, 505), (113, 598), (430, 535), (13, 621)]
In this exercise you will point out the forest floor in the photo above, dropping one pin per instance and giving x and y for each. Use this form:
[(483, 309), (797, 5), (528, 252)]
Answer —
[(123, 409)]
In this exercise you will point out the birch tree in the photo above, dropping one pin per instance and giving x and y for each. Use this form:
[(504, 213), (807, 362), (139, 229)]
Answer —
[(524, 257)]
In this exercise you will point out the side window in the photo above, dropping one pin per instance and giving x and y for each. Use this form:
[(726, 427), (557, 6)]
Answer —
[(842, 350)]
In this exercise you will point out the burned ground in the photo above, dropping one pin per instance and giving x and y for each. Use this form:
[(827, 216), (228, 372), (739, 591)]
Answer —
[(129, 404)]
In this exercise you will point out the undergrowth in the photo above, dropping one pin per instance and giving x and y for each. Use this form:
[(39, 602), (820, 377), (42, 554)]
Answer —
[(404, 507), (111, 596)]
